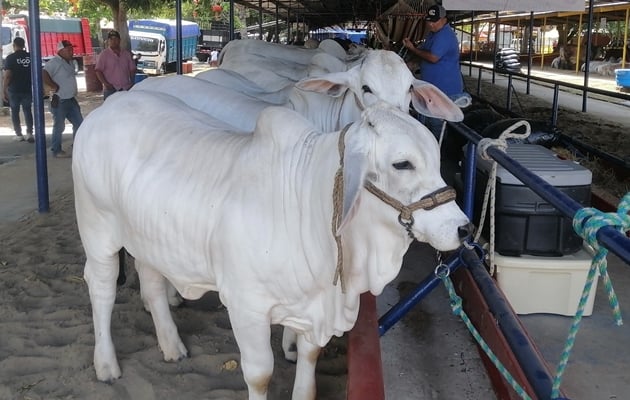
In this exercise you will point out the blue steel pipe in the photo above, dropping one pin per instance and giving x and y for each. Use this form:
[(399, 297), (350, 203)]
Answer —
[(421, 291), (469, 177), (523, 349), (613, 240)]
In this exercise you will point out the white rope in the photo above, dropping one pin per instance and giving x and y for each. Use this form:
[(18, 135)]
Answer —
[(442, 134), (501, 143)]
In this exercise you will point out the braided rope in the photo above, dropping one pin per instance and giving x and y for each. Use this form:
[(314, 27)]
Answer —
[(337, 209), (587, 223), (428, 202), (491, 187), (456, 306)]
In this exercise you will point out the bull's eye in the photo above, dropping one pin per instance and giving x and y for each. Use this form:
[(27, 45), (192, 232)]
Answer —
[(403, 165), (366, 89)]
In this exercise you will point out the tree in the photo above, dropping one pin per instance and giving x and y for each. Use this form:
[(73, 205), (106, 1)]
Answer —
[(46, 6), (119, 9)]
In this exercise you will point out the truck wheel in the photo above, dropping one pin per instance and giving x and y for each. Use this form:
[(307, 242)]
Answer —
[(163, 69)]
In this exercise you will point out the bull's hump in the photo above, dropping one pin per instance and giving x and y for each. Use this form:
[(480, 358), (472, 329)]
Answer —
[(282, 125)]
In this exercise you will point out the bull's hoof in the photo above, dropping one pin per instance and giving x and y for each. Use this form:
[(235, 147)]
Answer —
[(108, 373), (178, 353)]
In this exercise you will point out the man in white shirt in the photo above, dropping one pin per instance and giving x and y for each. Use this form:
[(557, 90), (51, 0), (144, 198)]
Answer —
[(58, 74)]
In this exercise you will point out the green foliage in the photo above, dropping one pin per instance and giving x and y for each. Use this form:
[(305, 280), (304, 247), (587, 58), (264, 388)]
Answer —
[(48, 7)]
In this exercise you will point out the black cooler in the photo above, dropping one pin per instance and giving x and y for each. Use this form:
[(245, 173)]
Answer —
[(525, 223)]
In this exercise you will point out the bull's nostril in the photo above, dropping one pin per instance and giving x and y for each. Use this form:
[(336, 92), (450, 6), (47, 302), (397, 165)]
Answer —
[(465, 231)]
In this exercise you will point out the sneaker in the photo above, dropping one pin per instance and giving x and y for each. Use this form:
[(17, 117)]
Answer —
[(30, 138), (62, 154), (18, 138)]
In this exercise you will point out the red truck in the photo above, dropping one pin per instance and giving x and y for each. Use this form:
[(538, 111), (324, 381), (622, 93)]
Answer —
[(52, 31)]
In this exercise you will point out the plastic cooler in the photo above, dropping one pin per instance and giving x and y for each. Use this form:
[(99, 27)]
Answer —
[(524, 222), (622, 77), (546, 284)]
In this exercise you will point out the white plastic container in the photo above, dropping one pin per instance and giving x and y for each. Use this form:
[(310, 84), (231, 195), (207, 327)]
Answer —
[(546, 284)]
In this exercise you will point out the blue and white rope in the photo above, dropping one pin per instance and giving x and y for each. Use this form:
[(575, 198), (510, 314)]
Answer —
[(587, 222)]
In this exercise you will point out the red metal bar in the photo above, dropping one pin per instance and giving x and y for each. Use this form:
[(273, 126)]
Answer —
[(365, 369)]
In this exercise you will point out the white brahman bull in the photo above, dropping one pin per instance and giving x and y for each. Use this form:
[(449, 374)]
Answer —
[(235, 50), (250, 216), (330, 101), (237, 82), (274, 66)]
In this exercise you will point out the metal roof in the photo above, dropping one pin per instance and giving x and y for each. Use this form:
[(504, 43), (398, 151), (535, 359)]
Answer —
[(322, 13)]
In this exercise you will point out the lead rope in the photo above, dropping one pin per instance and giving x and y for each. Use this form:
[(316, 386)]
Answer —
[(586, 223), (337, 207), (500, 143), (442, 272)]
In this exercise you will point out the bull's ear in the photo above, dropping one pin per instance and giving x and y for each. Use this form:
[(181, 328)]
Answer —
[(428, 100), (334, 84), (354, 171)]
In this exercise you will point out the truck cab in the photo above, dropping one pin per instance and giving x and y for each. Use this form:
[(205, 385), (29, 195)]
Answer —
[(151, 47), (10, 32)]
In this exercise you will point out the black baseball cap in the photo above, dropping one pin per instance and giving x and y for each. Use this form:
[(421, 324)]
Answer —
[(112, 34), (434, 13)]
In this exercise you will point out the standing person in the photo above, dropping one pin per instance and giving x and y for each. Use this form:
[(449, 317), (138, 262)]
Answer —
[(58, 74), (115, 67), (17, 89), (214, 58), (439, 55)]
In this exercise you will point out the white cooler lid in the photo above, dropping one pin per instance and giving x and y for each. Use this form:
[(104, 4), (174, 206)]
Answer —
[(542, 162)]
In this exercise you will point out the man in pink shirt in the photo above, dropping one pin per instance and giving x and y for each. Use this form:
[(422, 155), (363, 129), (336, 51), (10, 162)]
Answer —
[(115, 67)]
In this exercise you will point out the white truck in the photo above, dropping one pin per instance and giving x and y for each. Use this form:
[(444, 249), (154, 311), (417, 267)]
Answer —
[(155, 41)]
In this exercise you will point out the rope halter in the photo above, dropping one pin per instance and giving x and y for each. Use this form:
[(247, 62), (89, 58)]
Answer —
[(405, 218)]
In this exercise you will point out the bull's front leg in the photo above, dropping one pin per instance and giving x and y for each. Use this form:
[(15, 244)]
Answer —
[(304, 387), (253, 336), (153, 290), (101, 281)]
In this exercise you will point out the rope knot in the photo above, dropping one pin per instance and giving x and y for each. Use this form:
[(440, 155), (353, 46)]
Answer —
[(588, 221), (501, 141), (406, 214)]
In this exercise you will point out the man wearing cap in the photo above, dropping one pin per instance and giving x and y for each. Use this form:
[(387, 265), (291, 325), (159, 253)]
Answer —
[(115, 67), (17, 89), (58, 74), (439, 56)]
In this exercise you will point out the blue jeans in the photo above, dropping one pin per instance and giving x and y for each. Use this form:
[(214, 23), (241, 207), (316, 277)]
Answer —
[(23, 100), (109, 92), (433, 124), (67, 108)]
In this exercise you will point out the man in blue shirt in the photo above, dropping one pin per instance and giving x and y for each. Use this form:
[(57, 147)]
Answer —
[(439, 56)]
